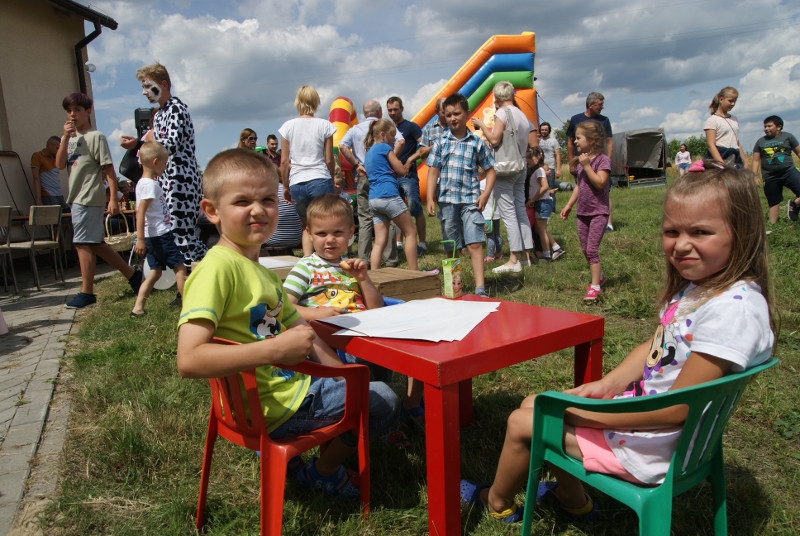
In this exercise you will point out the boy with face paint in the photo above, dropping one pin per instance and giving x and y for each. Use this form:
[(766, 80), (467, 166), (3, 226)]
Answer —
[(173, 128), (151, 91)]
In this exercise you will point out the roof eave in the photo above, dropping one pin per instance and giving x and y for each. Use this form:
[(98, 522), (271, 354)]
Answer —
[(87, 13)]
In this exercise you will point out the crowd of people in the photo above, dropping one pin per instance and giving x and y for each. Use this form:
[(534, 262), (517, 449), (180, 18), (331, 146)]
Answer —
[(716, 310)]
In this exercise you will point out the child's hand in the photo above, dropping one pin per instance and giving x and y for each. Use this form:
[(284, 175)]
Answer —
[(565, 212), (69, 128), (431, 208), (596, 389), (294, 344), (355, 267), (482, 200), (584, 159), (326, 312), (139, 248), (113, 206)]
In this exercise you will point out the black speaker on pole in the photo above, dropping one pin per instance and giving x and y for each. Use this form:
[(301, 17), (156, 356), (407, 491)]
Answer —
[(142, 117)]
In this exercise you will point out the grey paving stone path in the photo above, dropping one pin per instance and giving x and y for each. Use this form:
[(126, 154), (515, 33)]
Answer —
[(32, 429)]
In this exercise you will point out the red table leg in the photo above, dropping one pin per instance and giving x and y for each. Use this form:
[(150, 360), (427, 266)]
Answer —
[(465, 402), (443, 459), (588, 361)]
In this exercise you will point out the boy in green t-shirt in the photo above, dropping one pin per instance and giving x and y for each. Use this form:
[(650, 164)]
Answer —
[(230, 295)]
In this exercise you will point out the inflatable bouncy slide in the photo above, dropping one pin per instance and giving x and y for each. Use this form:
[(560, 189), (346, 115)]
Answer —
[(343, 116), (501, 57)]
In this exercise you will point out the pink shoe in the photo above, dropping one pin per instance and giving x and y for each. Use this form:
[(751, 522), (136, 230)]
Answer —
[(591, 293), (602, 279), (498, 257), (488, 258)]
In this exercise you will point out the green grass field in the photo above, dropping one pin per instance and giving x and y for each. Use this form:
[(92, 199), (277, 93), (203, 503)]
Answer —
[(132, 457)]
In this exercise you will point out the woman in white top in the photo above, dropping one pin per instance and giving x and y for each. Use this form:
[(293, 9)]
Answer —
[(509, 191), (683, 159), (307, 164), (722, 130)]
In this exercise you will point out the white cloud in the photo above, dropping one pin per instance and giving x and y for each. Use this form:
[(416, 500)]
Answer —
[(239, 63), (574, 100), (681, 125)]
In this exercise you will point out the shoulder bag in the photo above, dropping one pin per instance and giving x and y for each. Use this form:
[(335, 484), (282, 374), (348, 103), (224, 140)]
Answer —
[(129, 166), (508, 160)]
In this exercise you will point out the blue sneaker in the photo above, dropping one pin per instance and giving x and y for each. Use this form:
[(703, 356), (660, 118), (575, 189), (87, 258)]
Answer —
[(343, 483), (81, 300)]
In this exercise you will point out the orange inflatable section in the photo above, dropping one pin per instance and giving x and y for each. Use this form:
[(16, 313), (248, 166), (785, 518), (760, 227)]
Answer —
[(497, 44), (526, 97)]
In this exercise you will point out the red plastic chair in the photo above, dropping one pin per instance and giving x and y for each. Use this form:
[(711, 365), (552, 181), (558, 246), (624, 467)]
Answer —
[(234, 425)]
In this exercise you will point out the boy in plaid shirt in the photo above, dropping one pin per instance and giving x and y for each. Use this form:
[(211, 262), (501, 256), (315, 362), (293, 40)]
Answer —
[(454, 161)]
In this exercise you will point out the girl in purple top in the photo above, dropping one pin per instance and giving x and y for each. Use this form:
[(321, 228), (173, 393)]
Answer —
[(591, 196)]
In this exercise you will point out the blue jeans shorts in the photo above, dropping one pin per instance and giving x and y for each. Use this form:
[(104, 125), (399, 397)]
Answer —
[(303, 193), (543, 209), (162, 252), (385, 209), (409, 190), (463, 223), (324, 405)]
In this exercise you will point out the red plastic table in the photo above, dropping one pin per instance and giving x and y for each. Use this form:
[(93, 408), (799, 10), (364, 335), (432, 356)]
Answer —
[(515, 333)]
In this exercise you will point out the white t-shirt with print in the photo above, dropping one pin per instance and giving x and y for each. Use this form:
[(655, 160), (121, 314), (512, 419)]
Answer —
[(156, 219), (733, 326)]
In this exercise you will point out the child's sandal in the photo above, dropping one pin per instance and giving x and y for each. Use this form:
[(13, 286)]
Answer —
[(588, 513), (342, 483), (471, 494)]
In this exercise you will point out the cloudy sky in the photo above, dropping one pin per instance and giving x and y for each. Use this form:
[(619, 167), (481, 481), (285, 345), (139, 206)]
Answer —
[(238, 63)]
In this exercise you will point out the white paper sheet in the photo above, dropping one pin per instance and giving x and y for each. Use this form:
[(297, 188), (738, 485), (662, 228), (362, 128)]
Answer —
[(434, 319), (272, 263)]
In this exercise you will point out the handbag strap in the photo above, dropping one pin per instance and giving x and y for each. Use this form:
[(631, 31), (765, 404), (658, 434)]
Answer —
[(108, 225)]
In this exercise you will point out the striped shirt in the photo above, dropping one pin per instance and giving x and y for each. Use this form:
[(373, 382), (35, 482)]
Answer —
[(289, 232), (315, 282)]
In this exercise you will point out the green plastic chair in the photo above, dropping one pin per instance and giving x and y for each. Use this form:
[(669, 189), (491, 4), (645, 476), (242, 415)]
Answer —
[(710, 406)]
